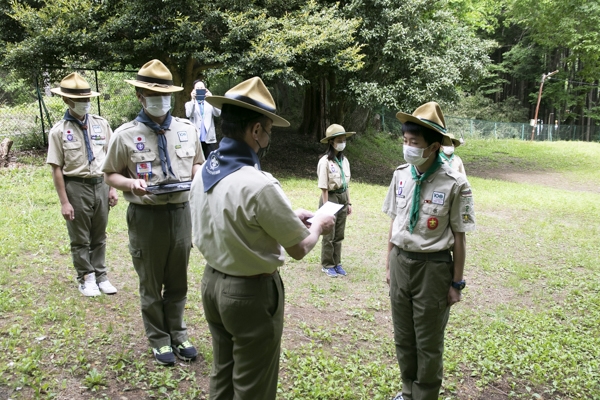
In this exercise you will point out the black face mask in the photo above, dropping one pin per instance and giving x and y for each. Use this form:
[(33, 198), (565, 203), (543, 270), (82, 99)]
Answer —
[(262, 151)]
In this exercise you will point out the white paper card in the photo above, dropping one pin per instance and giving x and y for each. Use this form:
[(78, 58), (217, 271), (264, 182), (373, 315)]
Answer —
[(328, 208)]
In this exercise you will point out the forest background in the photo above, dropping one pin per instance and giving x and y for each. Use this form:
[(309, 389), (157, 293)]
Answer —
[(349, 62)]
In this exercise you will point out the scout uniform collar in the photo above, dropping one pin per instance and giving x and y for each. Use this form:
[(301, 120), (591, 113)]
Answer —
[(229, 157), (414, 210), (446, 158)]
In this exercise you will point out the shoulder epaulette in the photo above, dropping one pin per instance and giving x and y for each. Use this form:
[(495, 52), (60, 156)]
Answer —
[(403, 166), (126, 125), (184, 120)]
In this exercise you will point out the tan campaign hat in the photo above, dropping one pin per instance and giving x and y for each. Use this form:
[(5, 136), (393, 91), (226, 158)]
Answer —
[(155, 76), (335, 130), (75, 87), (430, 116), (251, 94)]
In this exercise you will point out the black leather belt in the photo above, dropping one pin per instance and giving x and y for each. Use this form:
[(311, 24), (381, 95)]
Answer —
[(338, 191), (89, 181), (162, 207), (257, 276), (443, 255)]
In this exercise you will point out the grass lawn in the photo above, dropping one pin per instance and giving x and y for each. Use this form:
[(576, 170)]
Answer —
[(528, 326)]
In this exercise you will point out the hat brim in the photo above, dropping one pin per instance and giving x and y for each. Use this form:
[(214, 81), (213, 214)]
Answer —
[(328, 138), (75, 96), (446, 141), (219, 101), (155, 87)]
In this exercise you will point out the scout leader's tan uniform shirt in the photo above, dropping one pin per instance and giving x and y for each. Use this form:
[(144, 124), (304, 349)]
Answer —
[(133, 152), (66, 147), (241, 223), (330, 177), (445, 206)]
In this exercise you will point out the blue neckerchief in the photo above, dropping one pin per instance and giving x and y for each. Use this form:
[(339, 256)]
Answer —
[(86, 139), (163, 154), (228, 158)]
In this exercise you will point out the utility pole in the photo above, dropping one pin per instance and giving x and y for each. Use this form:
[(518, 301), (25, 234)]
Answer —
[(537, 107)]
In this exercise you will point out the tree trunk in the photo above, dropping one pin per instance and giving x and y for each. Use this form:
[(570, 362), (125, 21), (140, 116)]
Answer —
[(5, 152), (314, 115)]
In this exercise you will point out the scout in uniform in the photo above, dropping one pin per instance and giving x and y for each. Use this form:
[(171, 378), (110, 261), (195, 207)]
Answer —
[(153, 149), (242, 222), (76, 149), (450, 158), (431, 207), (333, 171)]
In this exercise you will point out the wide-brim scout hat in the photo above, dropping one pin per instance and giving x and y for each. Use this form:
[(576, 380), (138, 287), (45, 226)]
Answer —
[(251, 94), (430, 116), (335, 130), (456, 142), (75, 87), (155, 76)]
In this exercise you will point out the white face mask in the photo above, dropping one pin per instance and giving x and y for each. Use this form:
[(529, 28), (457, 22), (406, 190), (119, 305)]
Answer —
[(339, 146), (157, 106), (414, 155), (81, 108), (448, 150)]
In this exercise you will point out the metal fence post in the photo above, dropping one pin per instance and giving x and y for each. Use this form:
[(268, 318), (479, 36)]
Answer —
[(37, 88), (471, 127), (98, 89), (495, 133)]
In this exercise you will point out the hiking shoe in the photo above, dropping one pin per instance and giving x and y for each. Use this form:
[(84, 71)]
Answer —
[(185, 351), (106, 288), (339, 270), (88, 287), (164, 355), (330, 272), (398, 397)]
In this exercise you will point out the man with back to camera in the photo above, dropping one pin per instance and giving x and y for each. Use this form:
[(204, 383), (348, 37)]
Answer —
[(76, 149), (242, 222), (202, 114), (154, 149)]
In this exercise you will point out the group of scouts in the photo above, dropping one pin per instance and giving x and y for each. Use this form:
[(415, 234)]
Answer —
[(243, 224)]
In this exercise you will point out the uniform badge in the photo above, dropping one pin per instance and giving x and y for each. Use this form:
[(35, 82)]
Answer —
[(97, 128), (213, 164), (467, 219), (69, 135), (438, 198), (183, 136), (332, 168), (466, 193), (399, 191), (144, 167), (432, 223), (140, 146), (139, 139)]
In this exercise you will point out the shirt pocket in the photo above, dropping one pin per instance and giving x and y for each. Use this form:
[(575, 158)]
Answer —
[(185, 157), (434, 219), (73, 152), (143, 163)]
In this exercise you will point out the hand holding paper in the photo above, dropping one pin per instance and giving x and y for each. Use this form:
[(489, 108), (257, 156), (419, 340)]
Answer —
[(328, 208)]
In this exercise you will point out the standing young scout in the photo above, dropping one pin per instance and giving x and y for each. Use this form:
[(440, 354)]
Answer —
[(242, 223), (431, 206), (450, 158), (333, 171), (153, 149), (76, 149)]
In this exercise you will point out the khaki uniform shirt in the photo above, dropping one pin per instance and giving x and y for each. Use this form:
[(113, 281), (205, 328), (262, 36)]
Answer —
[(457, 164), (329, 174), (241, 223), (66, 147), (133, 152), (445, 206)]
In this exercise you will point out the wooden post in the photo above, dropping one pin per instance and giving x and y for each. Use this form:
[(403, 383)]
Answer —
[(5, 151), (537, 107)]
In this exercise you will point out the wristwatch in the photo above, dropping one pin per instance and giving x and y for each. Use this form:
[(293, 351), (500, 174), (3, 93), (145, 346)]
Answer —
[(459, 285)]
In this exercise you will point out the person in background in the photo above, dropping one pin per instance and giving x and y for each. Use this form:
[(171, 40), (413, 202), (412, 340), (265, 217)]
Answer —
[(202, 116), (76, 150), (333, 172), (450, 158), (154, 149), (243, 224), (431, 207)]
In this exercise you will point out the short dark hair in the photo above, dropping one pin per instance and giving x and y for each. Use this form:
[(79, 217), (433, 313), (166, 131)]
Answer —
[(429, 135), (235, 120), (198, 80)]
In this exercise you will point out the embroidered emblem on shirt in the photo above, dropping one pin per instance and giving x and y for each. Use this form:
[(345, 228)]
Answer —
[(144, 168), (139, 139), (432, 223), (467, 219), (466, 193), (69, 136), (183, 136), (97, 128), (399, 191), (140, 146), (438, 198), (213, 166), (332, 168)]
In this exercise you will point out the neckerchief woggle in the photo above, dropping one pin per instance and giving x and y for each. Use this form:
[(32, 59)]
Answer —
[(339, 163), (229, 157), (414, 210), (86, 139), (163, 154), (449, 159)]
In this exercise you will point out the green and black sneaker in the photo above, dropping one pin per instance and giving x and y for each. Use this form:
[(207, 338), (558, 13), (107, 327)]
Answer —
[(164, 355), (185, 351)]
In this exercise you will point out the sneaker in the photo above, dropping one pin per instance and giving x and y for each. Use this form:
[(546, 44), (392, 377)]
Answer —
[(185, 351), (164, 355), (107, 288), (398, 397), (88, 287), (339, 270), (330, 272)]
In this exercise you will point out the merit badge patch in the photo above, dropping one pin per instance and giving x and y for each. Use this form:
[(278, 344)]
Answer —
[(139, 139), (140, 146), (438, 198), (432, 223), (466, 193), (97, 128), (467, 218), (183, 136), (144, 167)]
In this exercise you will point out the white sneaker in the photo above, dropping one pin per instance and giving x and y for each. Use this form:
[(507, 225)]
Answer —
[(89, 287), (107, 288)]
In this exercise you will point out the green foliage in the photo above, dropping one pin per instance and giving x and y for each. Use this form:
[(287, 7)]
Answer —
[(477, 106)]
